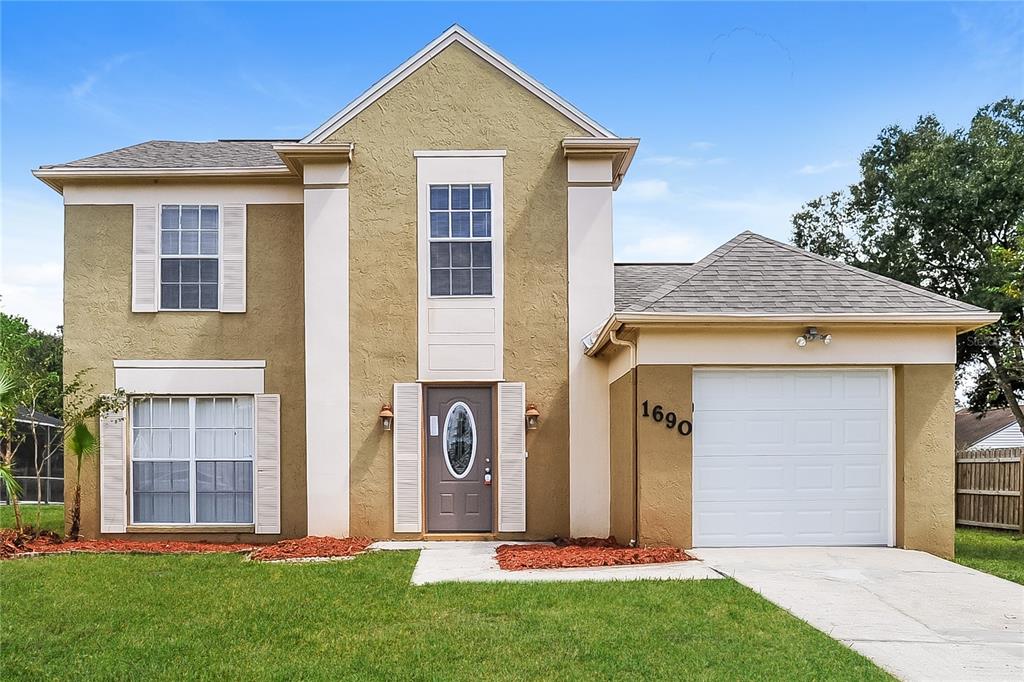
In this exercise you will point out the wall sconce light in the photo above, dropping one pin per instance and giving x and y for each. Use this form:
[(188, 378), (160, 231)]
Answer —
[(812, 335), (532, 416), (386, 416)]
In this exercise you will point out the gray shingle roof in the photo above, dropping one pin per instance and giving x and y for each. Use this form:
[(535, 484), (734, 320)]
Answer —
[(170, 154), (634, 281), (754, 274)]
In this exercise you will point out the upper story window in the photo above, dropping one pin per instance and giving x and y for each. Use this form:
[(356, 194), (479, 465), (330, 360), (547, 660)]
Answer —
[(460, 240), (189, 257)]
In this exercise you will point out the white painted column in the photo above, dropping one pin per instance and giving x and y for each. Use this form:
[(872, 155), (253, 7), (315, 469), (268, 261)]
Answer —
[(591, 300), (325, 269)]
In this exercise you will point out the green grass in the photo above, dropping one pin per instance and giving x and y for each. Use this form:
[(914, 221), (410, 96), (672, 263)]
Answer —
[(218, 616), (52, 516), (998, 552)]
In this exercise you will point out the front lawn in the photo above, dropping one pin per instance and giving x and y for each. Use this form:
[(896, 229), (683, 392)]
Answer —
[(218, 616), (999, 552), (52, 516)]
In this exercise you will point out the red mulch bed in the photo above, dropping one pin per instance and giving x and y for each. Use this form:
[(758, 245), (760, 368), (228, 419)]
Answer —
[(582, 553), (311, 547), (11, 544)]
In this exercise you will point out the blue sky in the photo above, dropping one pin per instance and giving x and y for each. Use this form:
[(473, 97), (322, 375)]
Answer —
[(745, 111)]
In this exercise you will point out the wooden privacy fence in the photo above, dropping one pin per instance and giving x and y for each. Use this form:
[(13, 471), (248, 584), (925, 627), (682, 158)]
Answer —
[(990, 488)]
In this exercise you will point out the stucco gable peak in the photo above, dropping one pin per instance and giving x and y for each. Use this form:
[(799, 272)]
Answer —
[(454, 34)]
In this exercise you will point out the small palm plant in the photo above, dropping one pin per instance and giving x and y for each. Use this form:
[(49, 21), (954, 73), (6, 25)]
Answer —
[(8, 408), (80, 443)]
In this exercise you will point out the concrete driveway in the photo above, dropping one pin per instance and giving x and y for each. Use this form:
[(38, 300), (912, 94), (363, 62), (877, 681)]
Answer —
[(915, 615)]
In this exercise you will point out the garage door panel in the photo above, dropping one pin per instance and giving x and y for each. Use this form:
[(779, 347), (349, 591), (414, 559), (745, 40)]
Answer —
[(786, 457), (767, 524), (789, 432), (806, 389), (786, 477)]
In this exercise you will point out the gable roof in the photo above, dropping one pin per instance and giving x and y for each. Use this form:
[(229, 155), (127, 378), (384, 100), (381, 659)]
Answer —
[(972, 427), (752, 274), (173, 154), (455, 34)]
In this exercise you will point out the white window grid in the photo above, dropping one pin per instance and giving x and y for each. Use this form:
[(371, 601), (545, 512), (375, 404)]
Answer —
[(470, 239), (192, 459), (181, 256)]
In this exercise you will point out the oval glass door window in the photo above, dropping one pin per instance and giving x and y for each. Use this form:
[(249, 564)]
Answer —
[(459, 440)]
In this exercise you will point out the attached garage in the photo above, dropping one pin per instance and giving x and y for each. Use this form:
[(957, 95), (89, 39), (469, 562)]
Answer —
[(792, 457), (766, 396)]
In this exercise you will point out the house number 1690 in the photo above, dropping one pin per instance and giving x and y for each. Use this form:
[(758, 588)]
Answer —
[(658, 414)]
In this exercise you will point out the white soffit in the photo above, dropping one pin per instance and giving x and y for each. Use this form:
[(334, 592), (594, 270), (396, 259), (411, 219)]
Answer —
[(455, 34)]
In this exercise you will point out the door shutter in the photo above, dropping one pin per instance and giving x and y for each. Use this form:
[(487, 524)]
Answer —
[(512, 457), (113, 480), (232, 259), (407, 442), (267, 502), (144, 260)]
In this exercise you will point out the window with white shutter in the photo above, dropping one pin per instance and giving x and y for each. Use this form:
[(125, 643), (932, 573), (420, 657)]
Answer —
[(511, 457), (189, 257)]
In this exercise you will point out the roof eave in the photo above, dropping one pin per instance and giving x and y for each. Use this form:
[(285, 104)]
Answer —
[(296, 154), (963, 322), (621, 149), (56, 176)]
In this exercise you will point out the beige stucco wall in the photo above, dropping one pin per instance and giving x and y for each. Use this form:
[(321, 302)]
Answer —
[(665, 457), (622, 491), (100, 327), (457, 101), (925, 452)]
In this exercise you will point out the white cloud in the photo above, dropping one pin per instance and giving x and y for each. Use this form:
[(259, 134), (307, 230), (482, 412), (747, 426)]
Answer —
[(643, 190), (685, 161), (31, 257), (36, 292), (84, 87), (811, 169)]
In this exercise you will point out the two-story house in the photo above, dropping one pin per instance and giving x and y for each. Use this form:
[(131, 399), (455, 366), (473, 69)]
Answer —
[(409, 324)]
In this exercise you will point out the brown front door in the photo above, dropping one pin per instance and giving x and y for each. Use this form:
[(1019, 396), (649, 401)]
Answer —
[(459, 459)]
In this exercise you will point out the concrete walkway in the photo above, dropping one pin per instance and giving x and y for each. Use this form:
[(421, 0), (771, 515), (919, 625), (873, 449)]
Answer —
[(915, 615), (474, 562)]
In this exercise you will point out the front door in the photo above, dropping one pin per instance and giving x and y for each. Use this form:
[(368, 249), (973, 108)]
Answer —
[(459, 454)]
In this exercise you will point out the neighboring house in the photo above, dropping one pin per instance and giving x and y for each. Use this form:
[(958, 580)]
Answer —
[(38, 460), (441, 250), (994, 429)]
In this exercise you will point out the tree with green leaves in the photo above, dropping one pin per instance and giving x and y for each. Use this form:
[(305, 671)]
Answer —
[(943, 210)]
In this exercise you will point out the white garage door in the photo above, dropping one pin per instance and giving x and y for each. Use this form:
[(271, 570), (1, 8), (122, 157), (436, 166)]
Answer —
[(791, 457)]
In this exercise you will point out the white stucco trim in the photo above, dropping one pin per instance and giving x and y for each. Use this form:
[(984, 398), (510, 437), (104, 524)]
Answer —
[(459, 152), (461, 338), (751, 346), (59, 176), (455, 34), (182, 192), (591, 296), (325, 276), (190, 377)]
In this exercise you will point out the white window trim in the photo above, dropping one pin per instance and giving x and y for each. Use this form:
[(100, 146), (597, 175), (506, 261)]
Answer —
[(192, 468), (458, 240), (160, 254), (454, 170), (190, 377)]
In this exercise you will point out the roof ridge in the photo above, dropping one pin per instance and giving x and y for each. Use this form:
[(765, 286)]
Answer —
[(865, 273), (702, 264)]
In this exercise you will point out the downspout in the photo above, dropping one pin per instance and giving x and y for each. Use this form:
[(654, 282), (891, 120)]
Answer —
[(613, 337)]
